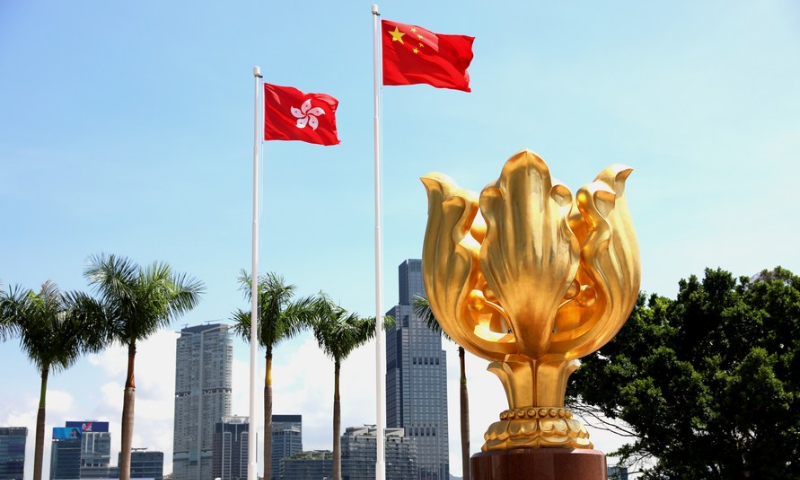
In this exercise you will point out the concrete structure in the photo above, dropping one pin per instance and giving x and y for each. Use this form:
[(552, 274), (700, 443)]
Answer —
[(203, 369), (313, 465), (359, 451), (230, 458), (416, 379), (287, 440), (12, 452)]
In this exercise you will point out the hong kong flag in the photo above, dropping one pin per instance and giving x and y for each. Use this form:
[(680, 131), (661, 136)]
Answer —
[(290, 114)]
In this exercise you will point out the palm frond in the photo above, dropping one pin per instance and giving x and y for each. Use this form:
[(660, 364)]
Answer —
[(422, 309), (279, 317)]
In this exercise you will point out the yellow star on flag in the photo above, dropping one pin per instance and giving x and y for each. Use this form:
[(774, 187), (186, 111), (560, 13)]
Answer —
[(397, 35), (416, 50)]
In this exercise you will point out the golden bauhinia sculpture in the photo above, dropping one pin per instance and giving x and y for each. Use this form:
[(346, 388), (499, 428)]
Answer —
[(531, 278)]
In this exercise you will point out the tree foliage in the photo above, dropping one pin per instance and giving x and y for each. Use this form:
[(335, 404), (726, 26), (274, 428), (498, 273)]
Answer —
[(708, 384)]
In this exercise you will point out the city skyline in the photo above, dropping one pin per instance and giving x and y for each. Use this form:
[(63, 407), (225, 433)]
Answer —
[(128, 129)]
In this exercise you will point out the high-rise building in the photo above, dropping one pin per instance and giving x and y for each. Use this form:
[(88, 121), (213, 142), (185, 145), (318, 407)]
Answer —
[(145, 464), (313, 465), (287, 439), (416, 379), (81, 450), (230, 457), (203, 370), (359, 451), (12, 452), (617, 473)]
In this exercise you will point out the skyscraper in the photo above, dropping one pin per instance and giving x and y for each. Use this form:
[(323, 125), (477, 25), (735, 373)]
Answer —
[(145, 464), (12, 452), (359, 450), (416, 379), (81, 450), (203, 368), (287, 439), (230, 448)]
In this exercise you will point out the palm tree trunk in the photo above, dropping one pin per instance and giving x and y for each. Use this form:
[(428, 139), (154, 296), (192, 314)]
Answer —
[(128, 400), (38, 455), (337, 427), (268, 419), (464, 417)]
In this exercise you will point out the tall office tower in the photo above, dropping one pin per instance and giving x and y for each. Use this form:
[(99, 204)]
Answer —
[(229, 461), (12, 452), (287, 440), (203, 364), (313, 465), (358, 454), (81, 450), (65, 456), (416, 379), (145, 464)]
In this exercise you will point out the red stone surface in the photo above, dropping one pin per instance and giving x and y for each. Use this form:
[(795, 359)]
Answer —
[(539, 464)]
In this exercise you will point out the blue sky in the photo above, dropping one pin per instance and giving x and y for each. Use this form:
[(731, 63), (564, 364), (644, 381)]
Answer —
[(126, 128)]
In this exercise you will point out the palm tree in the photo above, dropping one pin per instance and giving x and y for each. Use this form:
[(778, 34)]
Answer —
[(423, 310), (54, 332), (279, 318), (338, 333), (135, 302)]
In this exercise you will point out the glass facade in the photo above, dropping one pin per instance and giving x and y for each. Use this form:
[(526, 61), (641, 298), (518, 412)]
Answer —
[(203, 371), (81, 449), (359, 453), (65, 458), (145, 464), (314, 465), (416, 379), (230, 448), (287, 440), (12, 452)]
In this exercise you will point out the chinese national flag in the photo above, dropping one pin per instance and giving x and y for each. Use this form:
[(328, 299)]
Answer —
[(290, 114), (412, 55)]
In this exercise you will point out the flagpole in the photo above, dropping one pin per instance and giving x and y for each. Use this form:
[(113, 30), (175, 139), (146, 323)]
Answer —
[(380, 368), (252, 437)]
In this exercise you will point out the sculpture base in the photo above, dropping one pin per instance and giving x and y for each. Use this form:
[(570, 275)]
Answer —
[(539, 464)]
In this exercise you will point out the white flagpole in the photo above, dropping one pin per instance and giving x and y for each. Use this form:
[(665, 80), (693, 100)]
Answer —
[(252, 437), (380, 367)]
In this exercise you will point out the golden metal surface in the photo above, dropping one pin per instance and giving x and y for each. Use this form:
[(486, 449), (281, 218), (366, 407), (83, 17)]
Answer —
[(531, 278)]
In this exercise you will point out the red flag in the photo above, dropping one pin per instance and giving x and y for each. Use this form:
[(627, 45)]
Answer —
[(412, 55), (290, 114)]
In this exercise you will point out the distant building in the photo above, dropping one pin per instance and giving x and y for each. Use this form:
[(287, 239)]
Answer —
[(416, 378), (313, 465), (287, 440), (81, 450), (12, 452), (617, 473), (230, 458), (203, 372), (145, 464), (359, 453)]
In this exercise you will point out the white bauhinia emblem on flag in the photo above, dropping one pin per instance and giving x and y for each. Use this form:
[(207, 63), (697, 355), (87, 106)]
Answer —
[(306, 115)]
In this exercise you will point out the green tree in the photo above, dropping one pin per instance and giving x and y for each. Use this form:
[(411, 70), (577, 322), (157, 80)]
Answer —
[(279, 318), (423, 310), (338, 333), (708, 383), (135, 302), (54, 330)]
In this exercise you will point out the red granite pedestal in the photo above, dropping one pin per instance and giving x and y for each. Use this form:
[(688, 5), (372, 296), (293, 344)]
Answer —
[(539, 464)]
